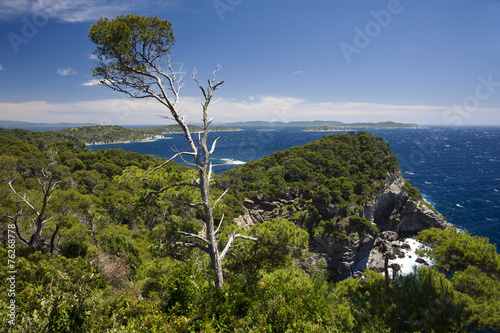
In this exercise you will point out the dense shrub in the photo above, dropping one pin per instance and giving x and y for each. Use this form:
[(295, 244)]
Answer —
[(115, 270)]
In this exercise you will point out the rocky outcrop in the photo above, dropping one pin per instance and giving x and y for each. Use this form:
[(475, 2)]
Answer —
[(397, 216), (344, 259), (261, 209), (392, 211)]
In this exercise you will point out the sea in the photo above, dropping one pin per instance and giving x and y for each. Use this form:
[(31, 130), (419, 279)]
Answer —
[(457, 169)]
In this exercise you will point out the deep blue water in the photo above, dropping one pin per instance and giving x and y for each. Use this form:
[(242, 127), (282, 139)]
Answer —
[(456, 169)]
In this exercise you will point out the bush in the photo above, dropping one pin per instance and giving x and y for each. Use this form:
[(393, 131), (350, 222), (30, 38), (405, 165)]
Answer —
[(74, 249)]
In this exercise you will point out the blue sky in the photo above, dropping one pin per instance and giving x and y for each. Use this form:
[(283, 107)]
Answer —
[(421, 61)]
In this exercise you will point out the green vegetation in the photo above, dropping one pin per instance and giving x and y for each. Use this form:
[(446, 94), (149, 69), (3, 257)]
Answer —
[(177, 129), (115, 266), (134, 58), (415, 195), (333, 178), (102, 133), (473, 265)]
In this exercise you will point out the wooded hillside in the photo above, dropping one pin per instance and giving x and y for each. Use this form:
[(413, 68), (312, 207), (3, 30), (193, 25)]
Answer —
[(107, 258)]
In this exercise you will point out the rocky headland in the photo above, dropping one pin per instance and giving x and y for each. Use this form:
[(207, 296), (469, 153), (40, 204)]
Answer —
[(393, 216)]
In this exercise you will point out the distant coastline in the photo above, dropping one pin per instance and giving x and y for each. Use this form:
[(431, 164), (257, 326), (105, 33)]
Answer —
[(320, 123), (155, 133), (326, 129), (91, 135), (152, 139), (12, 124), (157, 137)]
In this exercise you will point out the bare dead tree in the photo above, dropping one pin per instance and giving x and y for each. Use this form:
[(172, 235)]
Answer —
[(138, 63), (46, 184)]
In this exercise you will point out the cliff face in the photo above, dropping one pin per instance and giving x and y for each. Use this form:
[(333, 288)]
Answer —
[(393, 210), (360, 247)]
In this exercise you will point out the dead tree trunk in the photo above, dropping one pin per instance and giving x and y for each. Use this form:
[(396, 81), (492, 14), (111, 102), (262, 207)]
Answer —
[(137, 63), (47, 185), (201, 153)]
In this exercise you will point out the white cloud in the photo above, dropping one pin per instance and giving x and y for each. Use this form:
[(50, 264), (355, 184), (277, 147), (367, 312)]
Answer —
[(73, 10), (268, 108), (91, 83), (1, 68), (66, 71), (288, 109)]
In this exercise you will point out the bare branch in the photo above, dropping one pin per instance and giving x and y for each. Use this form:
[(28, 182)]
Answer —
[(230, 241), (197, 204), (159, 191), (190, 235), (174, 82), (150, 73), (195, 71), (23, 198), (18, 232), (220, 224), (48, 220), (191, 246), (188, 163), (218, 68), (190, 184), (170, 159), (216, 202), (213, 145), (168, 188)]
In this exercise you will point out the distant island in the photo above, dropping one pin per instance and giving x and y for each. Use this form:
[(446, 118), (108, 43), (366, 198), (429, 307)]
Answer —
[(321, 123), (326, 128), (108, 134), (126, 135), (24, 124), (118, 134), (91, 134)]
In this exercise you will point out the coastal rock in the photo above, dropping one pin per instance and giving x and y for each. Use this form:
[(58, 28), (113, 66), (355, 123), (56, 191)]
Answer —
[(261, 209), (397, 216), (361, 247), (389, 235), (244, 221), (415, 218), (394, 210), (344, 259), (312, 261), (422, 261), (380, 250)]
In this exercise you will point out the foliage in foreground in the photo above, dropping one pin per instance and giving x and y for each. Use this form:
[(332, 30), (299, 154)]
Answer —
[(114, 268), (57, 294)]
